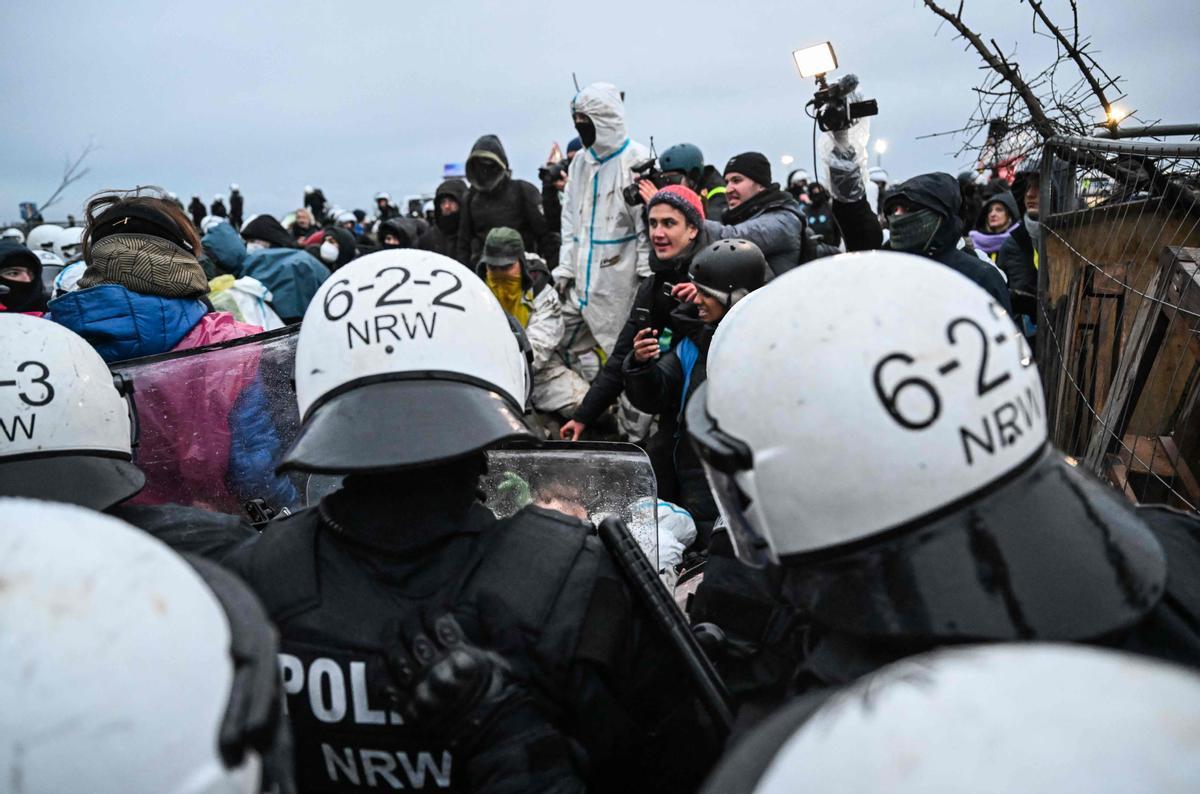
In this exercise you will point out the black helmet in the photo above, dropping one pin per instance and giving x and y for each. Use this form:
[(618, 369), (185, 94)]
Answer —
[(729, 270)]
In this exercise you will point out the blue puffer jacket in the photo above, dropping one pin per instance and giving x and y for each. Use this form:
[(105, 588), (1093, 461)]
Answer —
[(123, 324), (291, 275)]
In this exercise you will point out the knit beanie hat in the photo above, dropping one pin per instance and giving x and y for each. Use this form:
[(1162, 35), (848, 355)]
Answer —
[(683, 199), (753, 165)]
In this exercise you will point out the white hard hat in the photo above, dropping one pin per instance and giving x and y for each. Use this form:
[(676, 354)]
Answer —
[(48, 258), (120, 668), (43, 237), (883, 410), (66, 426), (70, 242), (992, 719), (13, 234), (383, 195), (404, 358)]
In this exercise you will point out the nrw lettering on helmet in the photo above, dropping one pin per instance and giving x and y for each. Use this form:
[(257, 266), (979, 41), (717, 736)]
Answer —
[(33, 388), (909, 391), (395, 294)]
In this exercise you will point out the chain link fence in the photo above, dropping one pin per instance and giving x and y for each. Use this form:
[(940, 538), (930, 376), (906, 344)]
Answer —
[(1118, 335)]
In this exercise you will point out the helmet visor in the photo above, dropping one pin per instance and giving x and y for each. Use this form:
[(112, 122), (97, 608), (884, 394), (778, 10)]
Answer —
[(723, 456)]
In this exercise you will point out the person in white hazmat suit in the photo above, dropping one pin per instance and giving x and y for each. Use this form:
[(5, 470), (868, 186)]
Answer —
[(605, 250), (521, 283)]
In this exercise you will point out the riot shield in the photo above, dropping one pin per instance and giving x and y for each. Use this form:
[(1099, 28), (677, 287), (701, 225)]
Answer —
[(213, 423), (589, 480)]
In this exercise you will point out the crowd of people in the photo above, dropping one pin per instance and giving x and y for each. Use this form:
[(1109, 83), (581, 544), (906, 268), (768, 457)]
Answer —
[(844, 417)]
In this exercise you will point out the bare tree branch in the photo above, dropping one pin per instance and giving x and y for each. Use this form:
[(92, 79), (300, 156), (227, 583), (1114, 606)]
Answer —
[(1075, 53), (1000, 64), (71, 175)]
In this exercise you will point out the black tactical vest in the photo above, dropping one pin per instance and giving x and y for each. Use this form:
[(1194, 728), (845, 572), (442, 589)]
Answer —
[(520, 586)]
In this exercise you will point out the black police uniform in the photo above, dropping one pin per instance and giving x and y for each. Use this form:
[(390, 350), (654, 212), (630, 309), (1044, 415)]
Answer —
[(343, 579)]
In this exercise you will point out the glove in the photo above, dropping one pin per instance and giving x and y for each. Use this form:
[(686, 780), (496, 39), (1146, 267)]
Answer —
[(563, 287), (453, 689)]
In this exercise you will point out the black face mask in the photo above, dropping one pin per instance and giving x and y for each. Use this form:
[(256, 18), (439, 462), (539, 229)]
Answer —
[(587, 132), (22, 296), (447, 221)]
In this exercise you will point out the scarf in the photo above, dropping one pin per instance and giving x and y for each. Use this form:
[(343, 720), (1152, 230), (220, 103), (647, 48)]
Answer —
[(988, 242), (507, 290), (914, 231), (145, 264)]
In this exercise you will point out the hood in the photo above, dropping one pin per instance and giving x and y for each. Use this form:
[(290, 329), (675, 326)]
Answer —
[(224, 247), (454, 188), (123, 324), (938, 192), (14, 253), (347, 245), (601, 102), (403, 231), (1010, 203), (487, 149), (269, 230)]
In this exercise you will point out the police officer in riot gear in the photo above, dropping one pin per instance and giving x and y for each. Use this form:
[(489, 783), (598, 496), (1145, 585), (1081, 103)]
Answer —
[(898, 470), (125, 667), (426, 644), (67, 433)]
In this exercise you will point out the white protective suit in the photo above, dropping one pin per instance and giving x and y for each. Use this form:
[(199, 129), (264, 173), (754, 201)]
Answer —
[(604, 244)]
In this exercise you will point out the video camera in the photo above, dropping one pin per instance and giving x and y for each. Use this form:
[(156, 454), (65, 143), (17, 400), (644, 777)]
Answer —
[(648, 169), (831, 104), (551, 173)]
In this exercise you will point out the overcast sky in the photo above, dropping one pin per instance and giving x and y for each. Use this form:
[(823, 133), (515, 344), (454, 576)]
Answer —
[(359, 97)]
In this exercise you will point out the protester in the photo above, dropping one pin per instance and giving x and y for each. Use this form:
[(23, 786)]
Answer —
[(722, 273), (21, 278), (262, 232), (197, 210), (521, 283), (676, 219), (236, 205), (995, 224), (923, 217), (1018, 256), (605, 250), (291, 276), (304, 224), (442, 236), (819, 214), (496, 199), (337, 247), (314, 202)]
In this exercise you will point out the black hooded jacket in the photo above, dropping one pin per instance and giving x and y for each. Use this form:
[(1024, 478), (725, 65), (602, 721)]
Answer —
[(514, 203), (21, 296), (269, 230), (939, 192), (236, 206), (197, 211), (442, 236)]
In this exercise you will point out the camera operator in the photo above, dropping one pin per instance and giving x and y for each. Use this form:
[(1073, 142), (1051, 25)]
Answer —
[(770, 218)]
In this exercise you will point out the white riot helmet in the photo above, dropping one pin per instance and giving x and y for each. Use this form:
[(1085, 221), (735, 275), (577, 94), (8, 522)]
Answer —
[(404, 359), (383, 195), (48, 258), (66, 426), (346, 216), (13, 234), (219, 198), (877, 411), (70, 243), (878, 175), (989, 719), (43, 237), (233, 187), (125, 668)]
